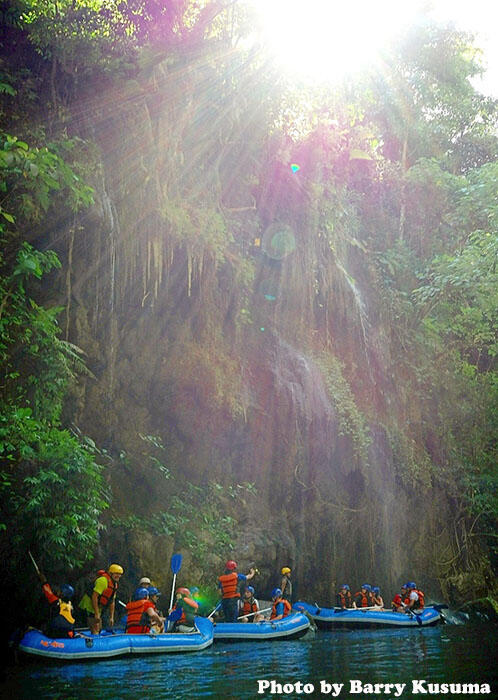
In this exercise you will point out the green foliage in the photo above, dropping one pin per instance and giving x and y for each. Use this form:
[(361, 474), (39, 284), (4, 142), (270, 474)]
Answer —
[(53, 491)]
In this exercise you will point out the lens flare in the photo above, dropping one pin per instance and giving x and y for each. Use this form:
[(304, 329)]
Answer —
[(278, 241)]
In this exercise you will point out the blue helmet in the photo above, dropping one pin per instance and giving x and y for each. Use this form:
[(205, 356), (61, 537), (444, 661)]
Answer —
[(376, 589), (276, 592), (411, 585), (405, 585), (67, 591), (366, 586), (345, 586), (194, 590), (141, 594), (154, 591), (251, 589)]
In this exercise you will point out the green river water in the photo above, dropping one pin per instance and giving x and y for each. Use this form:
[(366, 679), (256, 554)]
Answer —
[(464, 654)]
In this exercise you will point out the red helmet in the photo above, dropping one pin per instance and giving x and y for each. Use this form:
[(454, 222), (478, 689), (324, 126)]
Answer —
[(183, 591), (231, 565)]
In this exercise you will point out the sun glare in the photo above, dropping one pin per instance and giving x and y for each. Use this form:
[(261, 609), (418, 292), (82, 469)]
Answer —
[(324, 39)]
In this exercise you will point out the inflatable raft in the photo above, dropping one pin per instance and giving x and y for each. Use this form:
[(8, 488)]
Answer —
[(336, 617), (107, 644), (293, 626)]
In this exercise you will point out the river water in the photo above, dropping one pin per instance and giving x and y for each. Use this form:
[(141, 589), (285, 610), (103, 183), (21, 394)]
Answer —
[(445, 654)]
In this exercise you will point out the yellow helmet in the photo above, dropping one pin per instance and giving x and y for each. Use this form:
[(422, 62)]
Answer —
[(115, 569), (286, 570)]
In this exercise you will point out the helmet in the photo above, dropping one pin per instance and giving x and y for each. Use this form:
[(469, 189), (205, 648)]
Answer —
[(153, 591), (67, 591), (366, 586), (144, 581), (141, 594), (345, 586), (183, 591), (376, 589), (405, 585), (231, 565), (276, 592), (115, 569), (193, 590), (250, 589), (411, 585), (286, 570)]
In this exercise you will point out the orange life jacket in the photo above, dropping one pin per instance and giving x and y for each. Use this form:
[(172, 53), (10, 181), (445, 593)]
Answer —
[(248, 607), (421, 599), (137, 620), (344, 599), (108, 595), (364, 601), (287, 608), (229, 585)]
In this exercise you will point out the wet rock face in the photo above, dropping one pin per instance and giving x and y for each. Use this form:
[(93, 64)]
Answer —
[(273, 384)]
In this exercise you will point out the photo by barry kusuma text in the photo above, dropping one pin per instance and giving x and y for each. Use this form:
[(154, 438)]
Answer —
[(358, 688)]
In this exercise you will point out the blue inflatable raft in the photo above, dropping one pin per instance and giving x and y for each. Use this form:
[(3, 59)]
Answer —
[(293, 626), (106, 644), (350, 617)]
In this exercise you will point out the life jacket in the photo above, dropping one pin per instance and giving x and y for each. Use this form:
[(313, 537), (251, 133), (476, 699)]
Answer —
[(421, 599), (66, 611), (137, 620), (189, 617), (106, 596), (345, 599), (396, 602), (248, 607), (229, 585), (287, 608), (363, 599)]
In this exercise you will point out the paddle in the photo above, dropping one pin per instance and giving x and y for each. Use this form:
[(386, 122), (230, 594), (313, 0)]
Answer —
[(176, 564), (214, 610), (373, 607), (417, 617), (254, 613)]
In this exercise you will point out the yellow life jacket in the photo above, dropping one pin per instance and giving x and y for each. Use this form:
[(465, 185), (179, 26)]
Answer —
[(66, 610)]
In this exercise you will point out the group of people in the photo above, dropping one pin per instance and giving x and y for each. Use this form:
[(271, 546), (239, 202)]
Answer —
[(238, 602), (410, 600)]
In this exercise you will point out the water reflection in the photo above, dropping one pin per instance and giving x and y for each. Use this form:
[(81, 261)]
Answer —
[(449, 653)]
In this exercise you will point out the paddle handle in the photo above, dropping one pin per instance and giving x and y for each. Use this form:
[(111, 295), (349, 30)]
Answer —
[(214, 610), (34, 563), (254, 613), (172, 593)]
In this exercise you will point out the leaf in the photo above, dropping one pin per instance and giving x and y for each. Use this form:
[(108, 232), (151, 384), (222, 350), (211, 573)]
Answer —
[(8, 216), (356, 154)]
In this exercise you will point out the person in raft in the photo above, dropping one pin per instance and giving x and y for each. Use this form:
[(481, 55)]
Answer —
[(61, 625), (249, 606), (141, 614), (144, 582), (281, 607), (363, 599), (344, 597), (286, 584), (84, 610), (416, 598), (154, 594), (377, 599), (187, 607), (229, 585), (104, 597), (397, 604)]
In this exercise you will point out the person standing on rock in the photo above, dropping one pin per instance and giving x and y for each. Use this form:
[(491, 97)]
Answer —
[(286, 584), (228, 583)]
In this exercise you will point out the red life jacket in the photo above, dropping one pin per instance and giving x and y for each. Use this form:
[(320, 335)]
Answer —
[(287, 608), (421, 599), (137, 621), (108, 595), (364, 602), (345, 600), (248, 607), (229, 585)]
